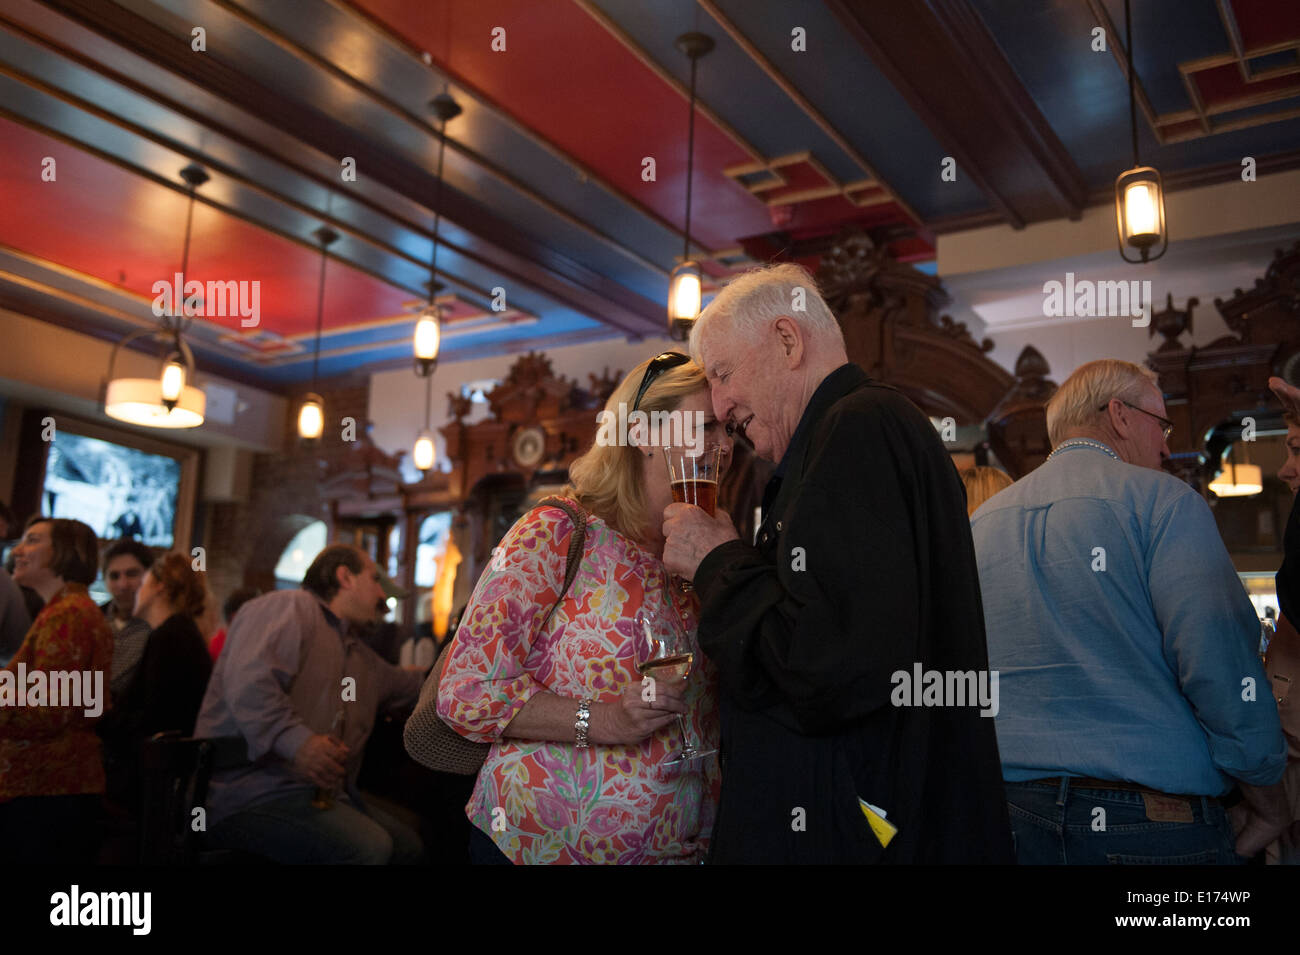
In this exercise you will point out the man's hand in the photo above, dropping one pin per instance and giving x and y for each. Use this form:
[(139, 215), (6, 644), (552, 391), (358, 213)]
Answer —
[(633, 718), (690, 533), (320, 759), (1289, 395), (1266, 815)]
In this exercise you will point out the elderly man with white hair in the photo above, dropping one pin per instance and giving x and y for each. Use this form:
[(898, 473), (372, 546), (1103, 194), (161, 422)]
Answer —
[(862, 578), (1132, 690)]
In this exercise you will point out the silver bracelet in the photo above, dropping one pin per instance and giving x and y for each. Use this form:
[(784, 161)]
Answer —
[(583, 723)]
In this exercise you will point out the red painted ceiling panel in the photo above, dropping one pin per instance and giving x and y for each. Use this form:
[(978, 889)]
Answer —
[(564, 76), (1266, 22), (1224, 84), (107, 222)]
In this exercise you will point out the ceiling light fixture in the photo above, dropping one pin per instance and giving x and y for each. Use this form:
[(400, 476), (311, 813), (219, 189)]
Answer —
[(684, 285), (428, 328), (1237, 480), (311, 416), (171, 400), (1139, 191)]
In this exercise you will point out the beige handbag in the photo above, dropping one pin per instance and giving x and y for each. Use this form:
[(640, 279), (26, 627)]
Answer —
[(429, 740)]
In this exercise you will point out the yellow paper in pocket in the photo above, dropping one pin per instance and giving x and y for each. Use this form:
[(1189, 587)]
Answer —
[(882, 827)]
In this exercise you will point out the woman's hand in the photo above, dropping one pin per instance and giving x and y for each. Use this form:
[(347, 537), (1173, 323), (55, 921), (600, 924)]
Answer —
[(634, 717), (1287, 394)]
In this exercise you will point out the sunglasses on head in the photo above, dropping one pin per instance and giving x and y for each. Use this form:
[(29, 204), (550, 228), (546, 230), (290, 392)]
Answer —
[(658, 365)]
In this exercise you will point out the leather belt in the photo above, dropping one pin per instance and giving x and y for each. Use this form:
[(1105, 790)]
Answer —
[(1090, 782)]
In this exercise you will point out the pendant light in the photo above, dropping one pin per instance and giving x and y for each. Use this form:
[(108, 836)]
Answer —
[(171, 400), (428, 328), (1237, 480), (311, 416), (1139, 191), (684, 284)]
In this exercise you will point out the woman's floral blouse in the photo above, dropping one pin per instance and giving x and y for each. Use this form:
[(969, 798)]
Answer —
[(550, 802)]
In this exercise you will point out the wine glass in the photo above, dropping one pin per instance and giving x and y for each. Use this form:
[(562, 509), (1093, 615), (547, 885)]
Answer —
[(662, 651)]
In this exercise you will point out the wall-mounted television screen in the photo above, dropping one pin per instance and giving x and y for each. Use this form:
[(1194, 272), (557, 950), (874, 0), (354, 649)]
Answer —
[(117, 490)]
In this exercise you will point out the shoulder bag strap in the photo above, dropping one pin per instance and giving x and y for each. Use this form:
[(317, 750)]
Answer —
[(577, 544)]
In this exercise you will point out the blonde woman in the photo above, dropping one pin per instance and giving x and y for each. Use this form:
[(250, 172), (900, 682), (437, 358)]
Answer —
[(981, 484), (575, 771)]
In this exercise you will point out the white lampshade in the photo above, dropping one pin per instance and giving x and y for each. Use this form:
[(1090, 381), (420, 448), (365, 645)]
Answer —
[(1140, 211), (140, 401), (173, 378), (311, 417), (426, 452), (428, 336), (1140, 214), (1238, 480), (684, 299)]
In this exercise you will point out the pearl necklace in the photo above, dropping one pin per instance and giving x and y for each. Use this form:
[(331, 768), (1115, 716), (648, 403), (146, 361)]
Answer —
[(1082, 442)]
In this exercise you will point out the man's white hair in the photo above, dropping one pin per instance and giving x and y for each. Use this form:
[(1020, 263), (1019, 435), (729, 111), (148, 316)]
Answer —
[(758, 297), (1078, 402)]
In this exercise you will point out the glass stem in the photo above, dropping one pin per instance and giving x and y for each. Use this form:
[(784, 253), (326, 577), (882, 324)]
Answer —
[(687, 749)]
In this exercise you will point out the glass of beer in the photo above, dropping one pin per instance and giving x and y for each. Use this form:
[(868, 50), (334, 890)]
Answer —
[(324, 798), (693, 474)]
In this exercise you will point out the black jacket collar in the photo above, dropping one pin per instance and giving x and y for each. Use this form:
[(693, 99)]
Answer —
[(843, 380)]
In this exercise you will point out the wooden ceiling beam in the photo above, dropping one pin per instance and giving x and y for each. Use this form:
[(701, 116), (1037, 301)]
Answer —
[(942, 59), (513, 253)]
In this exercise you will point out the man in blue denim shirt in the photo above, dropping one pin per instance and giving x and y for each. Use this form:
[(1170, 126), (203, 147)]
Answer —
[(1131, 691)]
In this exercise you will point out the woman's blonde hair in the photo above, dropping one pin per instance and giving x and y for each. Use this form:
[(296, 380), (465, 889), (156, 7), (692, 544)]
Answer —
[(1077, 403), (981, 484), (607, 479)]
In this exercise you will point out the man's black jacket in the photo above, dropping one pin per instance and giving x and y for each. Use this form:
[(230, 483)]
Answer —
[(863, 567)]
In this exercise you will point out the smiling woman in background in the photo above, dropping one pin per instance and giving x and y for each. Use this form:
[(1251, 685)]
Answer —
[(51, 773)]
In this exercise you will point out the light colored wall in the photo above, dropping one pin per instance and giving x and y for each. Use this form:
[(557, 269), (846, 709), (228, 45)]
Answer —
[(1272, 200), (45, 364)]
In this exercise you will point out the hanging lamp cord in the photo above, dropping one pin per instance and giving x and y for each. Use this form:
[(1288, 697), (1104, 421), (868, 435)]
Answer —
[(183, 321), (437, 210), (1132, 109), (320, 313), (690, 162)]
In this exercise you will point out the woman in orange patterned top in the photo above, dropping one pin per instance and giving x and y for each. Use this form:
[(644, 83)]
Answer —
[(51, 773), (576, 771)]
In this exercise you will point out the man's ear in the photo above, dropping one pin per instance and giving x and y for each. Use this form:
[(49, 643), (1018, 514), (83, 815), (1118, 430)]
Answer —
[(1121, 422), (790, 337), (343, 576)]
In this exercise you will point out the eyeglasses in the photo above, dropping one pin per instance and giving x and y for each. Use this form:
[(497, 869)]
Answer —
[(1165, 423), (658, 365)]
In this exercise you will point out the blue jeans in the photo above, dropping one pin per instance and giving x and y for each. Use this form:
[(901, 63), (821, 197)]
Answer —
[(292, 831), (1059, 824)]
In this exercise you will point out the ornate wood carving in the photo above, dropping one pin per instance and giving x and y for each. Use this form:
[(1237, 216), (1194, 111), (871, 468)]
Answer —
[(1017, 427), (1270, 312), (367, 478), (1209, 390), (889, 314), (532, 396)]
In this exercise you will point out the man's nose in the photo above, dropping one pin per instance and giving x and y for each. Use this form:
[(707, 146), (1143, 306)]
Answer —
[(722, 405)]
